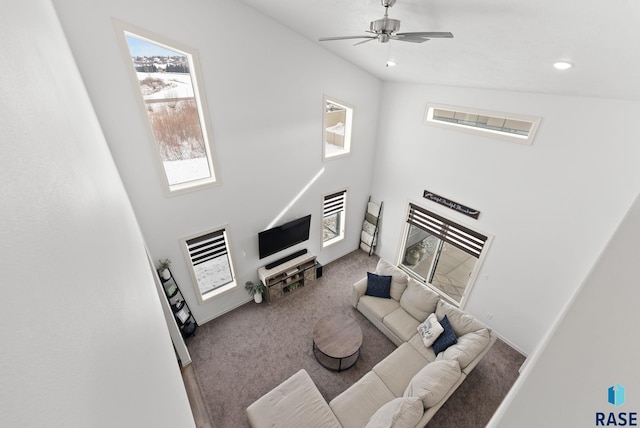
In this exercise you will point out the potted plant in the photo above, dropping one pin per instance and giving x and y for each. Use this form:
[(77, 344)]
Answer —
[(255, 290), (163, 268)]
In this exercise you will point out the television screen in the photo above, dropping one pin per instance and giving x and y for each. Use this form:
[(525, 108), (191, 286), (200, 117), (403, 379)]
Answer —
[(276, 239)]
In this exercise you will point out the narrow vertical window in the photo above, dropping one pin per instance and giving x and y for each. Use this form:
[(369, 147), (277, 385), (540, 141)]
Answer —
[(337, 123), (167, 83), (211, 265), (333, 217)]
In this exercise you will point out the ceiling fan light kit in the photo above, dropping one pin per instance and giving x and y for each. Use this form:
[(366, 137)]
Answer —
[(386, 29), (562, 65)]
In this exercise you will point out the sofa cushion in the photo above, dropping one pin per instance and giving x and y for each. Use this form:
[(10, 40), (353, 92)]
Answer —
[(434, 382), (377, 307), (446, 339), (418, 300), (360, 401), (378, 285), (397, 369), (468, 347), (399, 278), (402, 412), (294, 403), (401, 324), (462, 323), (430, 330), (426, 352)]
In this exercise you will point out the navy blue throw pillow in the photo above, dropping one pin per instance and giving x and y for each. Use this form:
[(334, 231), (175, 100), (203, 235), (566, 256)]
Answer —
[(378, 285), (446, 338)]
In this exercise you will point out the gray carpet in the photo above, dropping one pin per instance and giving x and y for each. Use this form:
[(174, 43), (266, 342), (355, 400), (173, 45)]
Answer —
[(243, 354)]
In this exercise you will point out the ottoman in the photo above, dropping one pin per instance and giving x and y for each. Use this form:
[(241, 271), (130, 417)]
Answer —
[(294, 403)]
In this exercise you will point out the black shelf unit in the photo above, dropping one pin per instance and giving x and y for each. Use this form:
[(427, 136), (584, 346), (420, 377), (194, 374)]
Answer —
[(181, 311)]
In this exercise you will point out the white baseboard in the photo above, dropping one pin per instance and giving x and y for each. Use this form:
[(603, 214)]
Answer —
[(508, 342), (206, 320)]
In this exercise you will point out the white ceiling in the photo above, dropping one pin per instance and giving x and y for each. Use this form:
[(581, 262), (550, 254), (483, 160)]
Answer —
[(497, 44)]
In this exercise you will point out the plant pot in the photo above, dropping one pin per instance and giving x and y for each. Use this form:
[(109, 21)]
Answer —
[(412, 257), (257, 297), (166, 274)]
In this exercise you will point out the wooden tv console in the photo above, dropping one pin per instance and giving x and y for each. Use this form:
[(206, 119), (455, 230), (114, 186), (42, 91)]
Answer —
[(288, 277)]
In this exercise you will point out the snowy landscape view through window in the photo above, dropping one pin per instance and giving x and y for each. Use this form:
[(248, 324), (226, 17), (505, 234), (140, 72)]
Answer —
[(169, 91)]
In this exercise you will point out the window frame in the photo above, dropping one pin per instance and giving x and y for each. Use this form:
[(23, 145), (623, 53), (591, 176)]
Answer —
[(197, 81), (514, 138), (222, 289), (457, 225), (342, 194), (349, 121)]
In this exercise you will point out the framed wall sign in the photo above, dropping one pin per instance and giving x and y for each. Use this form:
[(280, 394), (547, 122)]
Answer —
[(451, 204)]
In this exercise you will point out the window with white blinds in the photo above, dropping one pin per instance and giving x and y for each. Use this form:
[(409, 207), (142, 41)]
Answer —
[(212, 268), (441, 253), (333, 217)]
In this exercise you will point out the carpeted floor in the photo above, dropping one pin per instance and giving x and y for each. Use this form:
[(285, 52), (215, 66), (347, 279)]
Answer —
[(243, 354)]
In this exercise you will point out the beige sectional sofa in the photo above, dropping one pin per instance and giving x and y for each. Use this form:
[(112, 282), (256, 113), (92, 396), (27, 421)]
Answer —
[(406, 388)]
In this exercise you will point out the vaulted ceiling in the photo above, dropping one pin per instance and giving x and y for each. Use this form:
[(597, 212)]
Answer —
[(497, 44)]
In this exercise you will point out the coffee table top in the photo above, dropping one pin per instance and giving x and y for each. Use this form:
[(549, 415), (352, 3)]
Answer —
[(337, 336)]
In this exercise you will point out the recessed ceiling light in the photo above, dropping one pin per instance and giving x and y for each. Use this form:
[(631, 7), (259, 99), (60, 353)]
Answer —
[(391, 63), (562, 65)]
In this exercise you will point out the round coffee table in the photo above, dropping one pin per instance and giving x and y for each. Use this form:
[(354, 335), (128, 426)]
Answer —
[(336, 342)]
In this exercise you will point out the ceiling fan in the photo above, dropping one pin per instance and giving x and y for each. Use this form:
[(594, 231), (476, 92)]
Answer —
[(385, 29)]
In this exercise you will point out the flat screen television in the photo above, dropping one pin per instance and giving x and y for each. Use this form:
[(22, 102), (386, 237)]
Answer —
[(278, 238)]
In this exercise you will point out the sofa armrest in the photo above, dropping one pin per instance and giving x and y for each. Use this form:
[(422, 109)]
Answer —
[(359, 288)]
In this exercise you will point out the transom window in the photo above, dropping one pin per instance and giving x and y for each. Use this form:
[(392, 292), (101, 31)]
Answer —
[(442, 254), (336, 128), (333, 217), (211, 264), (512, 127), (166, 81)]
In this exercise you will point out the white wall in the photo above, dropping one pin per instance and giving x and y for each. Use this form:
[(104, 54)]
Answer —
[(551, 206), (592, 347), (264, 86), (81, 316)]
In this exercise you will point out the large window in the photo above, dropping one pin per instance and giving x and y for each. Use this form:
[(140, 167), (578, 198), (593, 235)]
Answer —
[(210, 259), (333, 217), (336, 129), (166, 78), (441, 253)]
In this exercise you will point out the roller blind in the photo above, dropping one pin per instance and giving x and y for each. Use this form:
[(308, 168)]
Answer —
[(334, 203), (207, 247), (459, 236)]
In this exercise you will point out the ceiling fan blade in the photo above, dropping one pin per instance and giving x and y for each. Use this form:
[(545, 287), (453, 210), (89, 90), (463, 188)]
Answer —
[(429, 34), (412, 39), (365, 41), (326, 39)]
